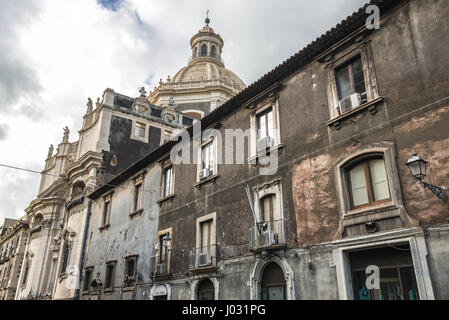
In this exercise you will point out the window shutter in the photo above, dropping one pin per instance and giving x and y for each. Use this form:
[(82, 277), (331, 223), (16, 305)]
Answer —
[(379, 179), (358, 186)]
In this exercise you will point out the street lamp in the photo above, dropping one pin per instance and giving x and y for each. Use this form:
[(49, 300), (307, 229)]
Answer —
[(166, 240), (418, 168)]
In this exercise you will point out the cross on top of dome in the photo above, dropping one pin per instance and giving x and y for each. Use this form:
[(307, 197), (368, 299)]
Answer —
[(207, 17)]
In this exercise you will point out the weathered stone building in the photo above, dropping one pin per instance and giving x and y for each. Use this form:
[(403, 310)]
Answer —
[(117, 132), (339, 119), (120, 253), (13, 238)]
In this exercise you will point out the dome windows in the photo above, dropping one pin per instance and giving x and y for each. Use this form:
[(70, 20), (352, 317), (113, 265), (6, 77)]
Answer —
[(213, 52), (204, 50)]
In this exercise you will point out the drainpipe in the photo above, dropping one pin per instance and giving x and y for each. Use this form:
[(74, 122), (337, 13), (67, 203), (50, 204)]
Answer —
[(83, 249)]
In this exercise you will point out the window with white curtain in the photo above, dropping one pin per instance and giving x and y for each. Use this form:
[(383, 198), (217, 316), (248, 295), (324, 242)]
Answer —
[(368, 183)]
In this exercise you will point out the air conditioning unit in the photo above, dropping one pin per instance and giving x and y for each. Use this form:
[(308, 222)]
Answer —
[(205, 259), (264, 143), (349, 103), (162, 268), (267, 238), (204, 173)]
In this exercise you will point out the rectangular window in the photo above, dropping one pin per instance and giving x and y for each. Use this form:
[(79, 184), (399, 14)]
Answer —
[(350, 79), (265, 124), (106, 210), (130, 269), (87, 279), (137, 197), (163, 252), (140, 130), (168, 181), (65, 257), (25, 273), (206, 236), (207, 157), (110, 271), (268, 208)]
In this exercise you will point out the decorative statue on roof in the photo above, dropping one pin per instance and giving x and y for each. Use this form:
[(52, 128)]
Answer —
[(171, 102), (89, 105), (50, 151), (66, 135), (143, 93)]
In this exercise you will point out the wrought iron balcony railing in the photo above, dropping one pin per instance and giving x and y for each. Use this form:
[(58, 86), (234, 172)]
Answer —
[(267, 235)]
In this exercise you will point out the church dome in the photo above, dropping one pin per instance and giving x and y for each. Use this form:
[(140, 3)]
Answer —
[(206, 63), (205, 83), (207, 70)]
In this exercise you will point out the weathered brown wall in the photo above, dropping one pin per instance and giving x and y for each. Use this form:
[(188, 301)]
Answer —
[(410, 61)]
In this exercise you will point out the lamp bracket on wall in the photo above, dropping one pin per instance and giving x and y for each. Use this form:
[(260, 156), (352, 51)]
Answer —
[(439, 192)]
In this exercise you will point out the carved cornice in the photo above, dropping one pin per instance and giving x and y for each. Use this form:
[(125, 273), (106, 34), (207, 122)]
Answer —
[(60, 183), (271, 93), (39, 204), (83, 165), (269, 184)]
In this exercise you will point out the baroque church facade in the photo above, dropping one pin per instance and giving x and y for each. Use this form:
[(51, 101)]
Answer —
[(117, 132), (115, 218)]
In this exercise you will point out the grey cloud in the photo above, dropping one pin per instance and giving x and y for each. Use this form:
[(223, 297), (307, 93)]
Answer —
[(4, 128), (17, 79), (17, 191)]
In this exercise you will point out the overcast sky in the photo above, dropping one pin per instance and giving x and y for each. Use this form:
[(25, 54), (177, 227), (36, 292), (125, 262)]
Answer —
[(54, 54)]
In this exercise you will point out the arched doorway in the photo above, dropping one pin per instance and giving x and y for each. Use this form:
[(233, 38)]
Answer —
[(206, 290), (273, 284)]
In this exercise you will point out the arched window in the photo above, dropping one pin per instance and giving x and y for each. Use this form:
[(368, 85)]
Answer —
[(213, 51), (273, 283), (206, 290), (37, 224), (204, 50), (38, 220), (367, 183), (78, 189)]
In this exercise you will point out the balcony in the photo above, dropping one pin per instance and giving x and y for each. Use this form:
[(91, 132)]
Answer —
[(204, 259), (267, 235), (163, 267)]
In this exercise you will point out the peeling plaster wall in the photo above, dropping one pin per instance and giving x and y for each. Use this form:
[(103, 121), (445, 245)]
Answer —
[(411, 76), (125, 236), (437, 240), (315, 203)]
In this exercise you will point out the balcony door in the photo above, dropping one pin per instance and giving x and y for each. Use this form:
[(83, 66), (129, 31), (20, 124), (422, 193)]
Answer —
[(206, 237)]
